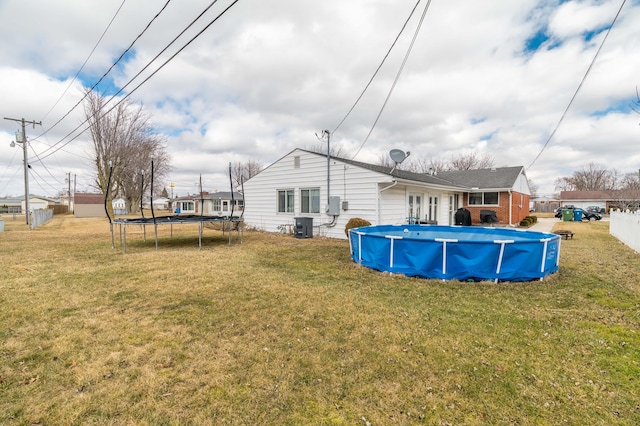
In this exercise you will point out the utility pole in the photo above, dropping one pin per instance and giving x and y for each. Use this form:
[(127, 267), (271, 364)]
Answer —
[(74, 190), (22, 138), (69, 192)]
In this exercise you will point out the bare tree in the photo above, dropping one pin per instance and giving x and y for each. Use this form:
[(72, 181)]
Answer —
[(593, 177), (431, 166), (123, 136), (320, 147), (630, 181), (385, 160), (534, 188), (243, 171), (471, 161)]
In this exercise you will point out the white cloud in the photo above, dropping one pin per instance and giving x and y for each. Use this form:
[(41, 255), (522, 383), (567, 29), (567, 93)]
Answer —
[(269, 75)]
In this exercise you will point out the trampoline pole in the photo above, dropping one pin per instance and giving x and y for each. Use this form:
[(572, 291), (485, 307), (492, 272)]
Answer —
[(124, 246), (144, 232), (113, 245), (200, 235), (155, 230)]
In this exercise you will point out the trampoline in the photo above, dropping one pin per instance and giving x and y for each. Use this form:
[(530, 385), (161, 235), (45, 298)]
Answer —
[(234, 222), (456, 252)]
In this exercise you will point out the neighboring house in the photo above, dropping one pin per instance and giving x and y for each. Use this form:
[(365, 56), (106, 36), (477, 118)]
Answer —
[(37, 202), (184, 205), (119, 206), (504, 190), (160, 203), (622, 199), (18, 205), (88, 205), (11, 205), (297, 185), (219, 203), (214, 204), (544, 204)]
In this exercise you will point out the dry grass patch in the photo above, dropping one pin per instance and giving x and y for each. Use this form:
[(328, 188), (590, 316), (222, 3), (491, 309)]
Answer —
[(277, 330)]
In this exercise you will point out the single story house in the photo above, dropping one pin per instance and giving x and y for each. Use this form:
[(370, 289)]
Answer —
[(623, 199), (332, 191), (18, 205), (214, 204), (160, 203), (12, 205)]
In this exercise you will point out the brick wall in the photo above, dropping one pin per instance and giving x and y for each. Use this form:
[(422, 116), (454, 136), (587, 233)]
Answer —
[(519, 208)]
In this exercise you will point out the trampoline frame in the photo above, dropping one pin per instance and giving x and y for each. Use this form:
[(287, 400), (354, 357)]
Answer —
[(233, 221), (172, 219)]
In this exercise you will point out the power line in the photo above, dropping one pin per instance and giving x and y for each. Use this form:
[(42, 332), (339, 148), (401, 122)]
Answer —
[(575, 94), (43, 165), (43, 180), (406, 57), (144, 81), (379, 67), (106, 73), (83, 64), (17, 169), (140, 72)]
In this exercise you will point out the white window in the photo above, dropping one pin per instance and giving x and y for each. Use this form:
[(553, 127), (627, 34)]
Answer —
[(286, 200), (310, 200), (415, 207), (187, 206), (433, 209)]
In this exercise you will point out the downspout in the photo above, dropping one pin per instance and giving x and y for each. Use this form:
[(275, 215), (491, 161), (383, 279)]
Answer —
[(510, 208), (395, 182)]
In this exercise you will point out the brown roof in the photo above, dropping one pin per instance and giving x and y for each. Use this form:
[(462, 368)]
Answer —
[(86, 198), (612, 195), (585, 195)]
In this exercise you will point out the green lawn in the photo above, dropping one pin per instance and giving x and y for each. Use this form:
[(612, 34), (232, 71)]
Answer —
[(282, 331)]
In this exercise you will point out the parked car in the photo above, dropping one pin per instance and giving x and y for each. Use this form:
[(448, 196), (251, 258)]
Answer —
[(594, 209), (586, 214)]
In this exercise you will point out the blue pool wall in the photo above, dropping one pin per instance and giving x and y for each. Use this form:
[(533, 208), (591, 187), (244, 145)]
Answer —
[(456, 252)]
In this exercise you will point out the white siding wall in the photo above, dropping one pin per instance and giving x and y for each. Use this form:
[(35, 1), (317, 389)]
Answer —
[(522, 185), (356, 185), (393, 206)]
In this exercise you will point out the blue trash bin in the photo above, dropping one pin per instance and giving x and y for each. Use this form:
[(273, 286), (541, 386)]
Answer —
[(577, 215)]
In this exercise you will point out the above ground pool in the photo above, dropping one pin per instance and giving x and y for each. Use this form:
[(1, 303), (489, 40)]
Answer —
[(462, 253)]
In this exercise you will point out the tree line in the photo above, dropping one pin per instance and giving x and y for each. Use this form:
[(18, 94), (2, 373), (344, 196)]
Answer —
[(596, 177)]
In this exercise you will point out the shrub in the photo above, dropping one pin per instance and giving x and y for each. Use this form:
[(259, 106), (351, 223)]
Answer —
[(526, 222), (355, 222)]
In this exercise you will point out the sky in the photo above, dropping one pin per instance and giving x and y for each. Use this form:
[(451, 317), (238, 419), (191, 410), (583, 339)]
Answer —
[(501, 78)]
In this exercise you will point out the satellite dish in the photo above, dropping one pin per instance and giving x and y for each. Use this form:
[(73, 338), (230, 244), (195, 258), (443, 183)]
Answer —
[(397, 155)]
